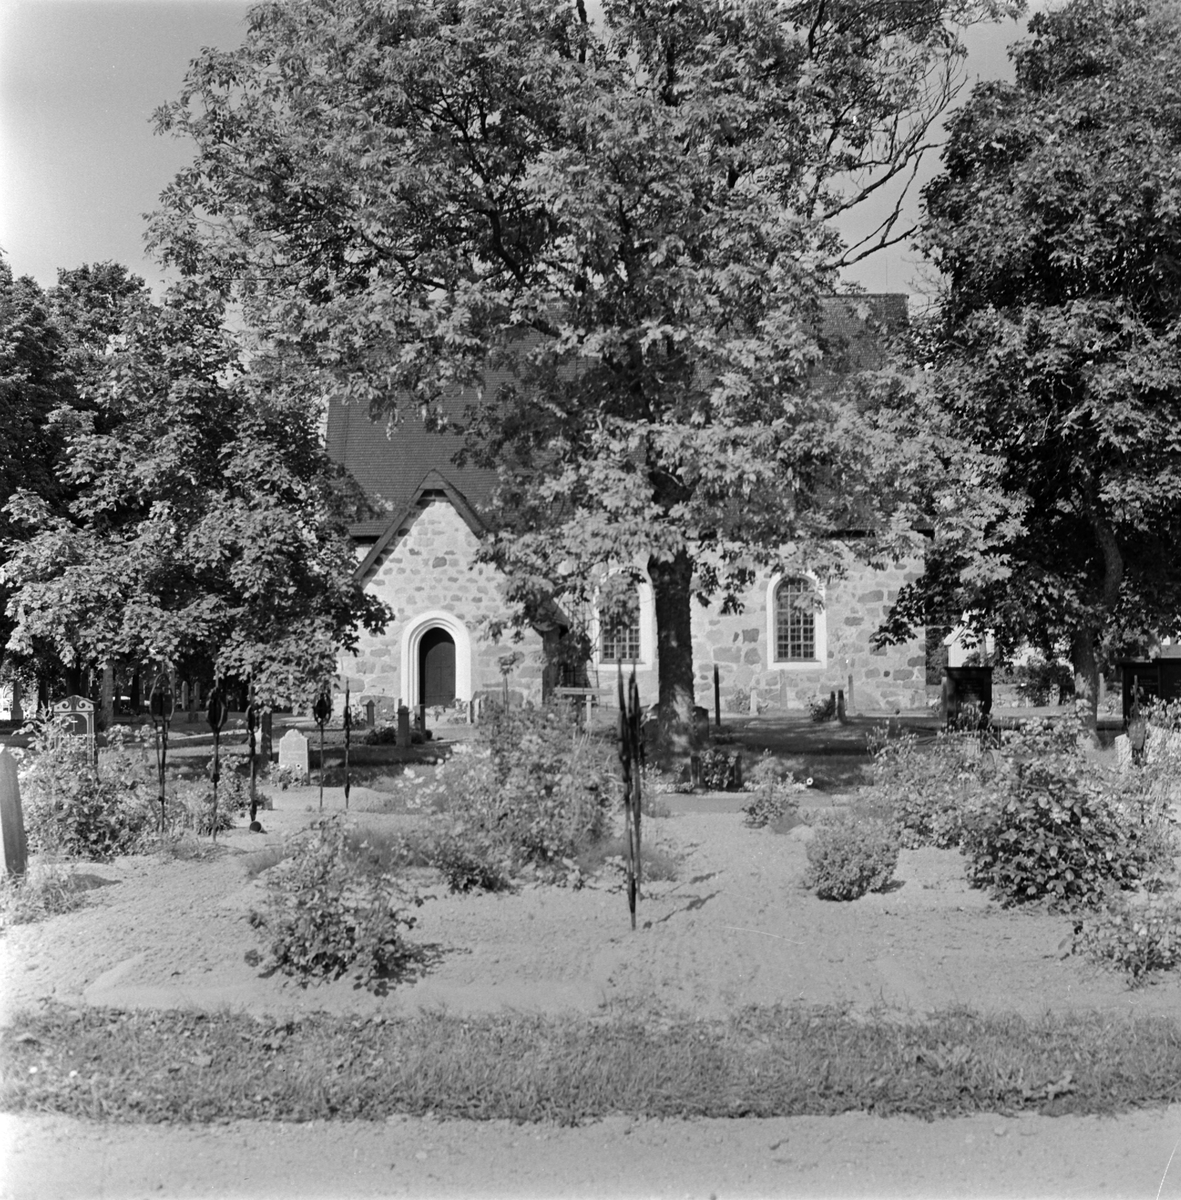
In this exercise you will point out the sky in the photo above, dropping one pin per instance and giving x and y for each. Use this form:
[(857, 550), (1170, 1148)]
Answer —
[(80, 163)]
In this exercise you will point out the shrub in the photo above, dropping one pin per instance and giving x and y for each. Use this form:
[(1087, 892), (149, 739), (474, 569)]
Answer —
[(469, 862), (931, 790), (285, 776), (1055, 831), (1137, 937), (539, 790), (720, 771), (193, 808), (70, 809), (776, 793), (823, 710), (851, 855), (332, 907)]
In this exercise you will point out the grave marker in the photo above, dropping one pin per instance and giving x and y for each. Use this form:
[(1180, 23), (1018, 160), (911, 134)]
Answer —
[(12, 822), (293, 752)]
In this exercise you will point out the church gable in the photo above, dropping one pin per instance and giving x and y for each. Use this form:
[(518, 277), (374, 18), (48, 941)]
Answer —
[(424, 567)]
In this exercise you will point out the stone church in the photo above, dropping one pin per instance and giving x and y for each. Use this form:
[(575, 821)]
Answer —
[(796, 640)]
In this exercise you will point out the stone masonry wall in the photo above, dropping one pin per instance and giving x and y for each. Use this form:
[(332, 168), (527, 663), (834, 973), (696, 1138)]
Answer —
[(886, 679), (429, 568)]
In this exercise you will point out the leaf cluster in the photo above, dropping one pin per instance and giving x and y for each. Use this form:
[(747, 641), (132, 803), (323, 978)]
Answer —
[(334, 908), (1137, 936), (1055, 833), (71, 809), (851, 854)]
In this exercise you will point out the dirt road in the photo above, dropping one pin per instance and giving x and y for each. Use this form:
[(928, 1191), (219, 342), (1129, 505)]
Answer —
[(53, 1158)]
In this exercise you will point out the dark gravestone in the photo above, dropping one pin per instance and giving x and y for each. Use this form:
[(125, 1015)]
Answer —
[(1154, 678), (968, 688), (12, 821)]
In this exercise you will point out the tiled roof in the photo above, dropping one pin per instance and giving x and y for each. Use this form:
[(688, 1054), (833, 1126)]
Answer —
[(393, 465)]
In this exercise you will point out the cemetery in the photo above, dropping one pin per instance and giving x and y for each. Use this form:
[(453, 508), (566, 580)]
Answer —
[(497, 880)]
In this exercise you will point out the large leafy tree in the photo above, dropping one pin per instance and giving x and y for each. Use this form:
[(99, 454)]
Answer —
[(1057, 349), (199, 523), (628, 216), (34, 381)]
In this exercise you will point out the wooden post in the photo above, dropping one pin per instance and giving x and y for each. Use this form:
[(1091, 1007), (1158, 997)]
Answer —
[(12, 821), (348, 729), (717, 697)]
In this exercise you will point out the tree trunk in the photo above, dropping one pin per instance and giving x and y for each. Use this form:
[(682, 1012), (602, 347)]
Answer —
[(1082, 649), (672, 590), (108, 696), (1086, 675)]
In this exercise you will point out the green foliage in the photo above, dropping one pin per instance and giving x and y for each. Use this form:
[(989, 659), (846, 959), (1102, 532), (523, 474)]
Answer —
[(1054, 351), (549, 791), (72, 809), (930, 789), (776, 794), (285, 776), (1138, 936), (1041, 682), (721, 770), (192, 808), (823, 709), (641, 304), (469, 860), (201, 523), (851, 854), (1055, 832), (334, 908), (46, 890)]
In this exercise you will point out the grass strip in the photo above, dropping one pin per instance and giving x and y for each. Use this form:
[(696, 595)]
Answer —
[(152, 1066)]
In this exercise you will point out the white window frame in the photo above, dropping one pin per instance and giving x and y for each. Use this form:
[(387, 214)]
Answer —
[(647, 657), (820, 626)]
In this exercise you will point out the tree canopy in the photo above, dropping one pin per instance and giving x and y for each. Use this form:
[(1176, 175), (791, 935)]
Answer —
[(631, 216), (1057, 348), (197, 521)]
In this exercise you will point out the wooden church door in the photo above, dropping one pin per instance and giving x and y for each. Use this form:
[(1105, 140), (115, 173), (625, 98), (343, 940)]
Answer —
[(436, 668)]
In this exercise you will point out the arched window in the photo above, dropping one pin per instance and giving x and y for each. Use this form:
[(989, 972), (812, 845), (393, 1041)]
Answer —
[(795, 621), (619, 631)]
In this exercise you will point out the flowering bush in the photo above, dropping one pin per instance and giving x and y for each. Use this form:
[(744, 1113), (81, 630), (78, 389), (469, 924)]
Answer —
[(285, 776), (720, 771)]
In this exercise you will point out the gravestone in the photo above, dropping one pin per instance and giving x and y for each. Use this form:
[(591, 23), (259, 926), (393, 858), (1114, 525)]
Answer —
[(403, 727), (78, 714), (293, 752), (12, 822)]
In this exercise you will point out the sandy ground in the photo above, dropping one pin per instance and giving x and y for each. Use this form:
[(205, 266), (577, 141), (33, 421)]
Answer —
[(734, 928)]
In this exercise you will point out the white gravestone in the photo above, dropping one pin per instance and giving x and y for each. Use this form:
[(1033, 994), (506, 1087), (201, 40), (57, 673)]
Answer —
[(293, 752)]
